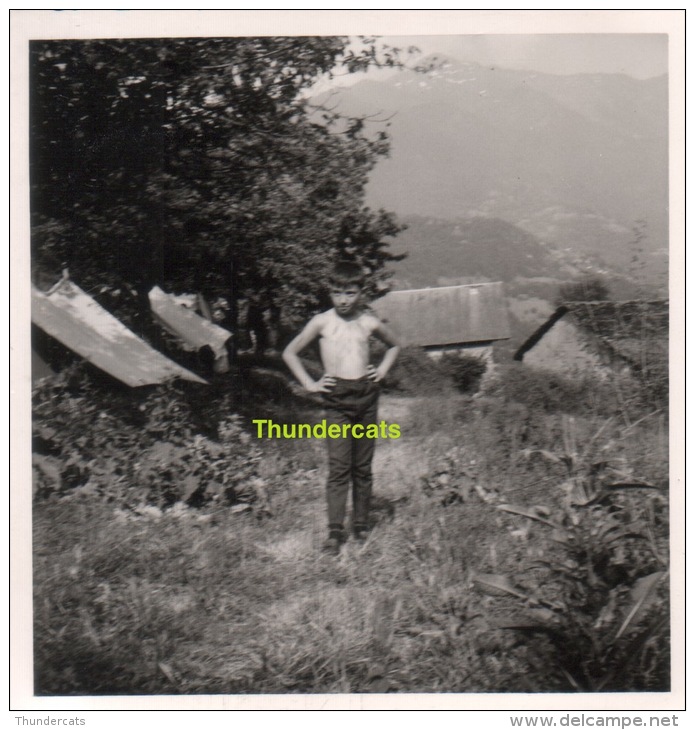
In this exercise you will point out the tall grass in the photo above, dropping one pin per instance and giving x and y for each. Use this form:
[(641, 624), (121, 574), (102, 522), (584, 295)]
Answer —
[(450, 593)]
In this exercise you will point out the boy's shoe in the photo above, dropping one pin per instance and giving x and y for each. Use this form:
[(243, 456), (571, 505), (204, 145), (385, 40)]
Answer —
[(335, 540), (332, 546), (361, 533)]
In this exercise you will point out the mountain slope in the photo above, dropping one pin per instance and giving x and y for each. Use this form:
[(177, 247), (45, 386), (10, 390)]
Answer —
[(578, 161), (471, 250)]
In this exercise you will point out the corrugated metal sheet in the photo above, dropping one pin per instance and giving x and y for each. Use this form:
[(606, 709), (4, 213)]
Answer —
[(73, 318), (446, 315), (193, 330)]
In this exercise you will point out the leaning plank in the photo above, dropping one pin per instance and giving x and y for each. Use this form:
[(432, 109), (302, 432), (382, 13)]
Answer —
[(73, 318), (193, 331)]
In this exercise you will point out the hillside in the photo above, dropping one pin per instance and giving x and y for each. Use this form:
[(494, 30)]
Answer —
[(441, 252), (578, 161), (170, 561), (477, 249)]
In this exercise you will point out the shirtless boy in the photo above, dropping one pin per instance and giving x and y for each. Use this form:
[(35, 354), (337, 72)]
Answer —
[(350, 388)]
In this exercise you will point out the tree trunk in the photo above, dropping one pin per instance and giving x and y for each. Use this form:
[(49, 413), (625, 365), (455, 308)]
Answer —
[(144, 311), (274, 324), (232, 319)]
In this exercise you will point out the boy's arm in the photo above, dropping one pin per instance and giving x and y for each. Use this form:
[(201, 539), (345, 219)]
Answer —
[(291, 357), (388, 337)]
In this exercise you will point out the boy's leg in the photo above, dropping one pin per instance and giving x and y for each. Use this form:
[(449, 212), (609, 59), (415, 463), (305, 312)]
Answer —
[(362, 455), (339, 471)]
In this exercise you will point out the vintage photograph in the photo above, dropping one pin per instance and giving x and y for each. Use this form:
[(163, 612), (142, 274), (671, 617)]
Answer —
[(350, 364)]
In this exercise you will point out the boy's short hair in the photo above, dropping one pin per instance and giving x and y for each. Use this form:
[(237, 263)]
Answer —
[(347, 273)]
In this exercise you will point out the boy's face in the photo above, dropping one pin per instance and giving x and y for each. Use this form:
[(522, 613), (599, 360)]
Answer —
[(345, 298)]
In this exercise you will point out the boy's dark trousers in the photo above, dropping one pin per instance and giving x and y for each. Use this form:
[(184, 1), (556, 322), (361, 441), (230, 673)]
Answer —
[(350, 459)]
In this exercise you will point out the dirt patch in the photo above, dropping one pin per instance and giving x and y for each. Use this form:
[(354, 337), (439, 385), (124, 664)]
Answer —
[(396, 409)]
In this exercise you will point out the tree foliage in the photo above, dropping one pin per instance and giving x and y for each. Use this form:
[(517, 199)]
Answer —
[(202, 165)]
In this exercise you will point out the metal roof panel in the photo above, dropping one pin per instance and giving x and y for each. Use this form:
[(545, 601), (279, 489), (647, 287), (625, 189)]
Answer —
[(193, 330), (77, 321), (446, 315)]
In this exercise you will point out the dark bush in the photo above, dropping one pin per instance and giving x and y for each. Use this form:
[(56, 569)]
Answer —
[(465, 371), (416, 373), (140, 446)]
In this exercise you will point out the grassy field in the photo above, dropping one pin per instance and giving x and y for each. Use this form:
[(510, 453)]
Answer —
[(520, 544)]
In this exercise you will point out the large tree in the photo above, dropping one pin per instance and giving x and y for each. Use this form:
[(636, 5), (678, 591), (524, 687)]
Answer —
[(202, 164)]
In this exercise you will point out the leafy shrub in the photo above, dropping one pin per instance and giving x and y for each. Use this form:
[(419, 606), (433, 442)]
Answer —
[(465, 371), (550, 392), (138, 447), (453, 478), (416, 373), (595, 587), (598, 594)]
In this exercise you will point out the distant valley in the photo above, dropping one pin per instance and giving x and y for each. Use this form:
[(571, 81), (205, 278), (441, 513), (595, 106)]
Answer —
[(514, 176)]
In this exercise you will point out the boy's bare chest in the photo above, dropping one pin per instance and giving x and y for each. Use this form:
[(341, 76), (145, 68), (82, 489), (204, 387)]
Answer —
[(339, 330)]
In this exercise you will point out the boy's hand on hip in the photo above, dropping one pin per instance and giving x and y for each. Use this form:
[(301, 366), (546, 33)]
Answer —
[(374, 373), (322, 386)]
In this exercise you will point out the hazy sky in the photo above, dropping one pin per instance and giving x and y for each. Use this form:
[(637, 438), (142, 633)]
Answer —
[(641, 55)]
